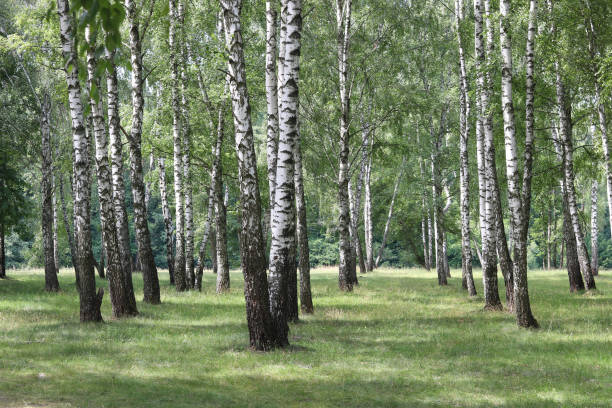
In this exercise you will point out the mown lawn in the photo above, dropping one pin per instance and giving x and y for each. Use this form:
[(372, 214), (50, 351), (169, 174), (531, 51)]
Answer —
[(399, 340)]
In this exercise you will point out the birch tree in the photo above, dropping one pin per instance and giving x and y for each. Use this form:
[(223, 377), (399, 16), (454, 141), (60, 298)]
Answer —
[(464, 177), (489, 272), (89, 300), (519, 216), (118, 185), (163, 192), (51, 282), (252, 246)]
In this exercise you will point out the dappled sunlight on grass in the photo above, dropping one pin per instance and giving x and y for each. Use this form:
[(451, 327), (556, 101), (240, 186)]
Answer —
[(397, 340)]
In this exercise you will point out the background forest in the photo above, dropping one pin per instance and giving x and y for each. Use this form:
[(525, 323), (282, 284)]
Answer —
[(404, 76)]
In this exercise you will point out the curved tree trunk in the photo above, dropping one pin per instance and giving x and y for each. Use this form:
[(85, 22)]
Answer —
[(89, 300), (568, 246), (565, 136), (143, 238), (252, 245), (163, 192), (51, 282), (389, 215)]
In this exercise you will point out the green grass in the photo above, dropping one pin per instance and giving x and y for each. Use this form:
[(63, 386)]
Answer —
[(399, 340)]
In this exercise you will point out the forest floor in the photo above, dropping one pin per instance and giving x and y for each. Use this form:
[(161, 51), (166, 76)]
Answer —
[(398, 340)]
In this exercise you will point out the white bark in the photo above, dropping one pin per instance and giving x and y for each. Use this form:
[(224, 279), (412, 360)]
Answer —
[(252, 246), (282, 263), (90, 301)]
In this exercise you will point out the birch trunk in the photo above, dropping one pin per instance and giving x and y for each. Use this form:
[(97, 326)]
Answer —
[(464, 178), (282, 249), (66, 221), (118, 186), (180, 277), (302, 234), (120, 302), (568, 245), (186, 151), (488, 227), (89, 300), (252, 245), (437, 214), (389, 215), (163, 192), (145, 253), (271, 99), (2, 253), (343, 20), (206, 235), (51, 282), (56, 259), (594, 229), (223, 277), (519, 203), (367, 210), (565, 135)]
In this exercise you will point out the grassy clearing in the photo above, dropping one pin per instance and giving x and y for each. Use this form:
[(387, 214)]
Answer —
[(398, 341)]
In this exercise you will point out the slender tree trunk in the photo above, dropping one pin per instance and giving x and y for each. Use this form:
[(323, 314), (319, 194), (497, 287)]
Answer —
[(67, 228), (89, 300), (438, 212), (120, 302), (343, 20), (207, 232), (213, 251), (186, 159), (118, 186), (148, 190), (519, 202), (389, 215), (302, 235), (594, 229), (181, 280), (51, 282), (143, 238), (252, 245), (568, 244), (489, 272), (223, 277), (163, 192), (478, 253), (56, 259), (565, 136), (367, 211), (2, 253), (464, 178)]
